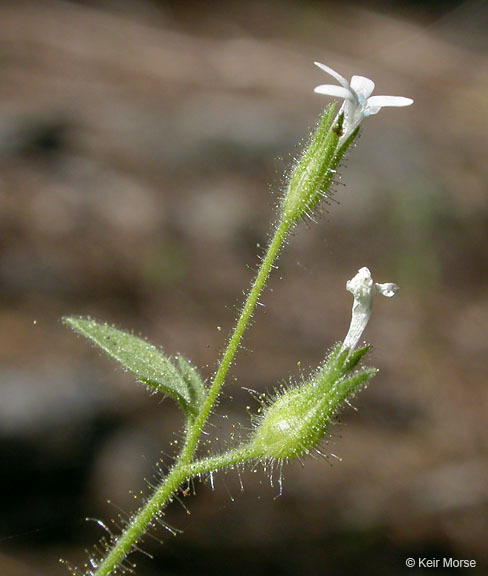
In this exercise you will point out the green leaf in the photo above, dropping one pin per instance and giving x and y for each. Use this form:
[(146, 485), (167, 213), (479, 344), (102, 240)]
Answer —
[(193, 380), (143, 359)]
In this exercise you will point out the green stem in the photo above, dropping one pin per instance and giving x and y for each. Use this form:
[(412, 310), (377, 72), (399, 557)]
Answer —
[(185, 467), (257, 287), (123, 545), (239, 455), (163, 493)]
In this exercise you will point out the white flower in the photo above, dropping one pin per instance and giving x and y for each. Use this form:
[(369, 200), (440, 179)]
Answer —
[(363, 289), (358, 102)]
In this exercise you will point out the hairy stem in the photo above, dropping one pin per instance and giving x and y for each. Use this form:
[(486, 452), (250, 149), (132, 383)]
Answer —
[(138, 525), (162, 495), (185, 467), (257, 287), (239, 455)]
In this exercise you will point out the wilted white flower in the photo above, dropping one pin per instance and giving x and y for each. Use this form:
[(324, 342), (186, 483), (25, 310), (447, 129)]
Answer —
[(358, 102), (363, 289)]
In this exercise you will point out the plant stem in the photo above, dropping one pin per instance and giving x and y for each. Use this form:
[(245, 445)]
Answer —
[(239, 455), (123, 545), (154, 505), (185, 467), (257, 287)]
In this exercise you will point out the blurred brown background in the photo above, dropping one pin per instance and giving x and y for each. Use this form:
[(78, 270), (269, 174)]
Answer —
[(142, 147)]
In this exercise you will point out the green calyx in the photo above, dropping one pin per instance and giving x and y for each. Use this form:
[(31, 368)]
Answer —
[(312, 176), (297, 420)]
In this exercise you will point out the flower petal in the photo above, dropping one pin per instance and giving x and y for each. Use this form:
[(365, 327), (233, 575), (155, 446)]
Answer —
[(334, 74), (381, 101), (389, 289), (363, 289), (362, 85), (336, 91), (361, 286)]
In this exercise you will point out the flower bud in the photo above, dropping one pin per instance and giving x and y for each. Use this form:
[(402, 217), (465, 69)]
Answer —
[(296, 421)]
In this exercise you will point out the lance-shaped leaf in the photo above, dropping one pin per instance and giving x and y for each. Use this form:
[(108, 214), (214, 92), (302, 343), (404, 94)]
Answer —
[(143, 359), (192, 379)]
